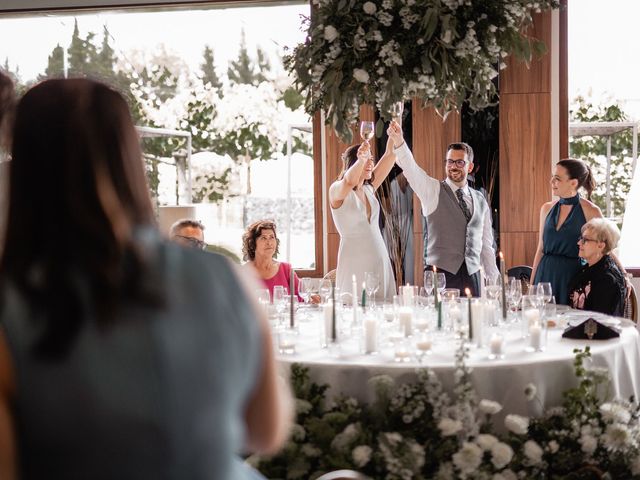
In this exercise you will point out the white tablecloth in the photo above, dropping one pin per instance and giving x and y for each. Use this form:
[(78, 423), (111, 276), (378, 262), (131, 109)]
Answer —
[(504, 381)]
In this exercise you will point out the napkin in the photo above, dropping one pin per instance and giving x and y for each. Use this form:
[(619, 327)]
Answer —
[(591, 329)]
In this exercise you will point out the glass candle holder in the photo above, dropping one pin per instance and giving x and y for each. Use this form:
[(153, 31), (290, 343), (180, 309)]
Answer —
[(287, 340), (496, 346), (401, 351), (423, 345)]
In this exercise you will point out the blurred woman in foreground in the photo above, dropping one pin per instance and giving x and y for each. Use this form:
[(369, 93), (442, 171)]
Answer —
[(121, 355)]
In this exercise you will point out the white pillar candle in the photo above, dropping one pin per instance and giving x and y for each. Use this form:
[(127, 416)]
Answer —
[(407, 295), (496, 344), (327, 312), (530, 317), (405, 317), (370, 334), (478, 309), (535, 336)]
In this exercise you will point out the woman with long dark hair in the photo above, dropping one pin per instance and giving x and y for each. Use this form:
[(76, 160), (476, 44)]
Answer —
[(121, 355), (557, 260)]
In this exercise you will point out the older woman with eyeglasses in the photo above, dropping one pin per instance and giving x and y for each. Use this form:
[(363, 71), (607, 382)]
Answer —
[(600, 285)]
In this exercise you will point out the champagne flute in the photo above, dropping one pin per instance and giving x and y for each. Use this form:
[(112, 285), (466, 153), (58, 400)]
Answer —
[(442, 283), (396, 111), (372, 283), (428, 282), (366, 130), (325, 290), (515, 292)]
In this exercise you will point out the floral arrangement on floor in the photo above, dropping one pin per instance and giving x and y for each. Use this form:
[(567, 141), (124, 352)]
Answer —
[(417, 431), (379, 52)]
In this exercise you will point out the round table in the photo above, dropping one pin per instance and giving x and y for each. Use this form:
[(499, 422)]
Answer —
[(347, 371)]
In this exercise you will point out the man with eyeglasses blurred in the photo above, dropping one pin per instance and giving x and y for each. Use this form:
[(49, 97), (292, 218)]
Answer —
[(189, 233), (459, 235)]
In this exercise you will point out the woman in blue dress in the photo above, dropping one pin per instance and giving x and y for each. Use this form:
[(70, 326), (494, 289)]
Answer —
[(556, 260)]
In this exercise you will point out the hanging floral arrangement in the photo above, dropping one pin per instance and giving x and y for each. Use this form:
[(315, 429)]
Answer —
[(379, 52)]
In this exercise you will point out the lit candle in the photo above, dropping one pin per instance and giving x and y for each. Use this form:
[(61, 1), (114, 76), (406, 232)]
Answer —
[(370, 334), (502, 284), (468, 292), (405, 318), (407, 295), (292, 291)]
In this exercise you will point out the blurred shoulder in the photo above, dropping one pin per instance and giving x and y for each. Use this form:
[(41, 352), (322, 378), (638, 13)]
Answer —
[(544, 209)]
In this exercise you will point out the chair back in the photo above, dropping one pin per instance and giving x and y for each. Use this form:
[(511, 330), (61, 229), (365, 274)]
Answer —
[(631, 305), (330, 275), (343, 475), (523, 273)]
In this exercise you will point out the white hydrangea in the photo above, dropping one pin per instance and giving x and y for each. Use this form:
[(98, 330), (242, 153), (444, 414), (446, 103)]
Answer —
[(361, 455), (589, 443), (505, 475), (302, 406), (330, 33), (533, 452), (489, 407), (385, 18), (361, 75), (501, 455), (369, 8), (613, 412), (486, 441), (517, 424), (448, 426), (468, 458)]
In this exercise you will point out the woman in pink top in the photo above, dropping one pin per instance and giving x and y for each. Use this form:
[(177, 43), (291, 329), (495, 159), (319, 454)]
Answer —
[(260, 246)]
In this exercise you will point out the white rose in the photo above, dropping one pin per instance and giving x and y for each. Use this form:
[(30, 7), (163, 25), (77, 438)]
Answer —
[(530, 391), (449, 427), (369, 8), (361, 455), (489, 407), (361, 75), (501, 455), (553, 446), (468, 458), (330, 33), (533, 452), (517, 424), (486, 441), (589, 444)]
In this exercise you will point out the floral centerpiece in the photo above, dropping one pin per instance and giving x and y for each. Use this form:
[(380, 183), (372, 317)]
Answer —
[(379, 52), (417, 431)]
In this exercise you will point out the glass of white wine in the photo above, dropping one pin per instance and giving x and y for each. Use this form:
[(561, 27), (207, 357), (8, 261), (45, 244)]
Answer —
[(396, 111), (366, 130)]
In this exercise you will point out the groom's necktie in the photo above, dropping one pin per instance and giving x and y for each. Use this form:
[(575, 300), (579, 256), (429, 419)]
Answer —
[(463, 205)]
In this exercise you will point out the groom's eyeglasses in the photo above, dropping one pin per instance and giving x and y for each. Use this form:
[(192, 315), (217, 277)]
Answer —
[(457, 163), (192, 242)]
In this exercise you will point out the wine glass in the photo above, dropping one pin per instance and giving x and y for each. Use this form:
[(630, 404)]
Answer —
[(279, 297), (428, 282), (304, 288), (493, 288), (396, 111), (325, 290), (514, 292), (371, 283), (366, 130), (543, 290)]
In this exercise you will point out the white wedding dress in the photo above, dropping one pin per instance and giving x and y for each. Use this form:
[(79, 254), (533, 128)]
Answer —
[(362, 248)]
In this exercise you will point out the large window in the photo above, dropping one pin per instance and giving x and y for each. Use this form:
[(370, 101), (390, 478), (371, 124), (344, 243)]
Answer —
[(214, 73)]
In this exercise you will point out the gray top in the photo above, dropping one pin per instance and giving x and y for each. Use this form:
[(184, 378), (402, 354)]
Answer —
[(159, 395)]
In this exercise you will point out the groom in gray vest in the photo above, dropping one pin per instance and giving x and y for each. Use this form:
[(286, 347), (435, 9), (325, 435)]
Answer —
[(459, 233)]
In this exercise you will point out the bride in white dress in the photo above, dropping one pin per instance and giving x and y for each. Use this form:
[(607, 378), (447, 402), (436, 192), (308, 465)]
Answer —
[(356, 211)]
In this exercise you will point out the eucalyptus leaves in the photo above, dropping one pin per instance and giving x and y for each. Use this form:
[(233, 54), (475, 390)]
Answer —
[(378, 52)]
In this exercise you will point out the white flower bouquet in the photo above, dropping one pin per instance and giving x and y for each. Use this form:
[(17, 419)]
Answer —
[(379, 52)]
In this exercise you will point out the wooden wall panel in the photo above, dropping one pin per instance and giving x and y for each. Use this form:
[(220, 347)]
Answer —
[(525, 159), (431, 136), (520, 247), (333, 243), (535, 77), (525, 148)]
